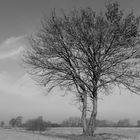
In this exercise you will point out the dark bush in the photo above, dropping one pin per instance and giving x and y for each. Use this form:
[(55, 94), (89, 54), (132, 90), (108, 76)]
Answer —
[(36, 124)]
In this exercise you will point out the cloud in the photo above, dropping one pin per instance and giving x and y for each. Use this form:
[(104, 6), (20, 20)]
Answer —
[(11, 41), (13, 79), (12, 53), (12, 47), (24, 86)]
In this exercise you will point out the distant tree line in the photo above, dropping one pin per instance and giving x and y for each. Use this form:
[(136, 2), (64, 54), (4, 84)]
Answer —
[(72, 122), (35, 124), (76, 122), (38, 124)]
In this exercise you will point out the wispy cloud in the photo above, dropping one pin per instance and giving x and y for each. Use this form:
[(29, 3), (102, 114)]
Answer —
[(10, 42), (13, 53), (12, 47)]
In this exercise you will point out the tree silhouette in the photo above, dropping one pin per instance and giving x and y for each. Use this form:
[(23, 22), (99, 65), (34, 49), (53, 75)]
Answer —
[(12, 122), (2, 124), (36, 124), (87, 53)]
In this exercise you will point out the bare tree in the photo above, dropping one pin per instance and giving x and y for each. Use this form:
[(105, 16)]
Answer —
[(87, 53), (37, 124), (12, 122), (2, 124), (124, 123), (19, 121), (138, 123)]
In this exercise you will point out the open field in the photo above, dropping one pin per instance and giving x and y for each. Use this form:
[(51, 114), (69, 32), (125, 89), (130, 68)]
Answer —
[(134, 133), (128, 132), (16, 135)]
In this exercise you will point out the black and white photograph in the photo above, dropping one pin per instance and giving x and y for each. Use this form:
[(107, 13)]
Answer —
[(69, 70)]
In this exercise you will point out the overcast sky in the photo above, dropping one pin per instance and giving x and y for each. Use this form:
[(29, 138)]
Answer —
[(19, 94)]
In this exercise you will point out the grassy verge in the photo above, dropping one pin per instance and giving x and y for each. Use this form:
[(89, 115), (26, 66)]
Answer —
[(100, 136), (103, 136)]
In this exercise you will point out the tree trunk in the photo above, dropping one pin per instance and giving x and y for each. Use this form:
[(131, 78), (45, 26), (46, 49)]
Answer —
[(92, 121), (84, 113)]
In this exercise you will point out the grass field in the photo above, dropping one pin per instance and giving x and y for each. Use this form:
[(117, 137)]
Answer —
[(134, 133), (16, 135)]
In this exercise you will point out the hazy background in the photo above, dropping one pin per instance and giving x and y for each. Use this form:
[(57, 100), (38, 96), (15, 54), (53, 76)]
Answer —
[(19, 94)]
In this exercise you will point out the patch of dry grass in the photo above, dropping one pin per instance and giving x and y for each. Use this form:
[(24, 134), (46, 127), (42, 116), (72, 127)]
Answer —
[(102, 136)]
